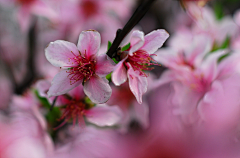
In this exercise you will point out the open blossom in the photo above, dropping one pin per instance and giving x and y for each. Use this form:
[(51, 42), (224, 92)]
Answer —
[(80, 64), (137, 59), (75, 106)]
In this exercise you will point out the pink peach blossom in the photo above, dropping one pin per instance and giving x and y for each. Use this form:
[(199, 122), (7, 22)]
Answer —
[(80, 64), (136, 59), (74, 107)]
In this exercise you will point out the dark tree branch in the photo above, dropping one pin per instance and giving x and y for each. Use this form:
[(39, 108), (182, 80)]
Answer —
[(121, 33), (30, 75)]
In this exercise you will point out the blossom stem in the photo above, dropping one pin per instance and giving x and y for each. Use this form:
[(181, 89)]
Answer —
[(53, 104), (121, 33)]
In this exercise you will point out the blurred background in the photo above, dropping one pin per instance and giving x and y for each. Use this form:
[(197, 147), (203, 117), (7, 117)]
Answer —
[(149, 130)]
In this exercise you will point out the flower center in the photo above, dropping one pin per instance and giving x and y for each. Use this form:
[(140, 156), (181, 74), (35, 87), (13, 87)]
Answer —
[(89, 8), (84, 69), (140, 61), (74, 110)]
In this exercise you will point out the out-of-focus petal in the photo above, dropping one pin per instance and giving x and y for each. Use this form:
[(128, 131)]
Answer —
[(209, 65), (59, 52), (137, 41), (42, 87), (104, 115), (137, 84), (201, 45), (61, 84), (89, 42), (142, 113), (104, 65), (97, 89), (119, 75), (154, 40)]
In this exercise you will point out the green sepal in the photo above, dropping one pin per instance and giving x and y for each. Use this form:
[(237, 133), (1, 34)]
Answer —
[(126, 47), (109, 44)]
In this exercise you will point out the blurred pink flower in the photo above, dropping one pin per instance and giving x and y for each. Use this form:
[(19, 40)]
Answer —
[(76, 108), (24, 131), (81, 64), (137, 59), (27, 7), (132, 110), (218, 29), (203, 90)]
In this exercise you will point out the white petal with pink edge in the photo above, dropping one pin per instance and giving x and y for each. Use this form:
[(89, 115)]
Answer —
[(137, 84), (59, 52), (61, 84), (119, 75), (97, 89), (136, 41), (104, 65), (89, 42), (154, 40), (103, 115)]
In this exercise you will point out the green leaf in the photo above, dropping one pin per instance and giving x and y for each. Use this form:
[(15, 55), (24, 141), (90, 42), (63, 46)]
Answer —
[(126, 47), (108, 77), (115, 61), (223, 57), (109, 45), (218, 10)]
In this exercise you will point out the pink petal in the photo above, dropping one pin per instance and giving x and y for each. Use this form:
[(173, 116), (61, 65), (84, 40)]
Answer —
[(220, 106), (201, 45), (154, 40), (137, 41), (59, 52), (119, 75), (142, 113), (104, 65), (236, 17), (168, 57), (61, 84), (40, 8), (209, 66), (97, 89), (89, 43), (104, 115), (24, 17), (137, 84), (42, 87)]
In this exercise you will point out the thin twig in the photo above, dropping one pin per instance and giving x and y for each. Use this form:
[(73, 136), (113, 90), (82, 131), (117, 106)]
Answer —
[(53, 104)]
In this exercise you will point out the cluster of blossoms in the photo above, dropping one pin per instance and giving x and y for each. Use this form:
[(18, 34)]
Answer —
[(83, 65)]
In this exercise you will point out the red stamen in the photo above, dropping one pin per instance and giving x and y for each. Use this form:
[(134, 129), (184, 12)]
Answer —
[(141, 61), (84, 70)]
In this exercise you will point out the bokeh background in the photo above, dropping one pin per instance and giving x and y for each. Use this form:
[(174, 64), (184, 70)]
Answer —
[(179, 117)]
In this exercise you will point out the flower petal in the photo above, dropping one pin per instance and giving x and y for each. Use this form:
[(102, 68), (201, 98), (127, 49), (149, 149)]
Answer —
[(104, 115), (137, 41), (209, 66), (61, 84), (59, 52), (142, 113), (119, 75), (154, 40), (89, 43), (104, 65), (97, 89), (137, 84)]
